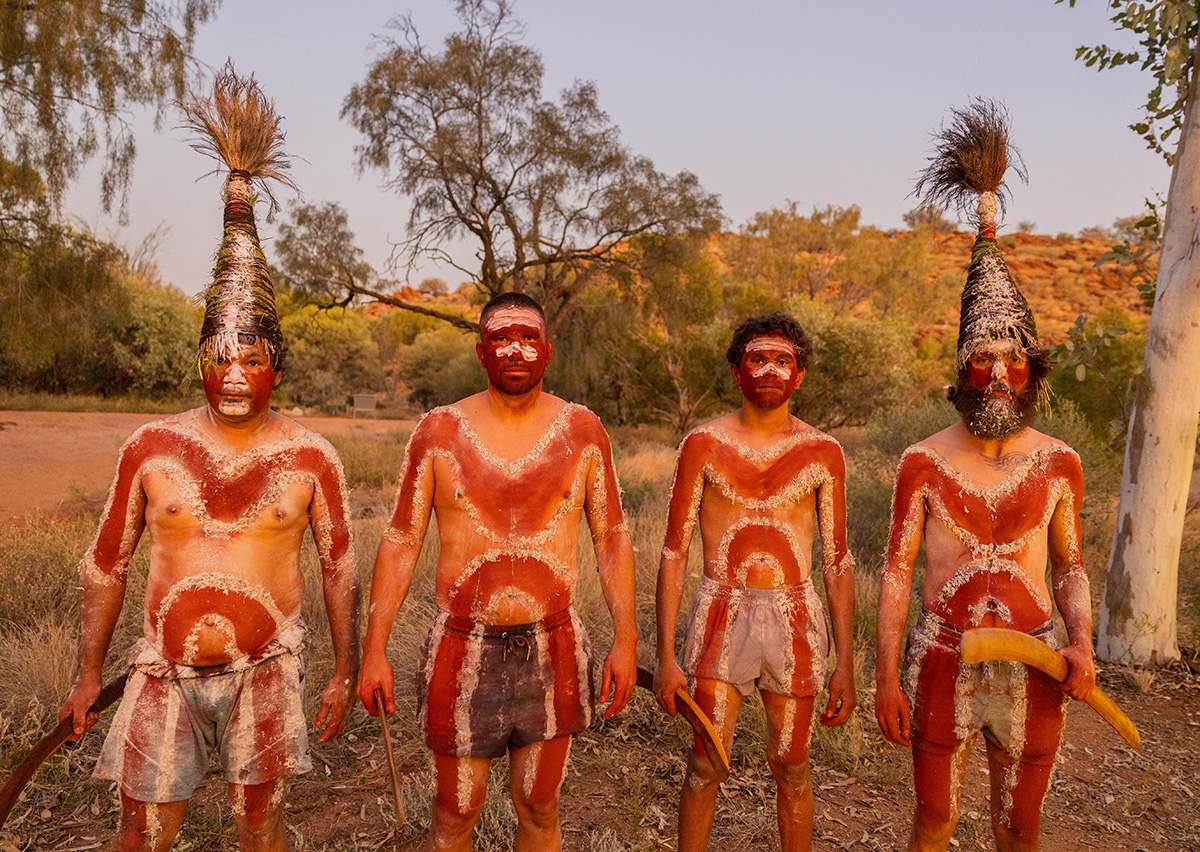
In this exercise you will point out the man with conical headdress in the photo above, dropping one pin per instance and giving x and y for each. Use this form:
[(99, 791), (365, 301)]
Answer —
[(993, 500), (225, 492)]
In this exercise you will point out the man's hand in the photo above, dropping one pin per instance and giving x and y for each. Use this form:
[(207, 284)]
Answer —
[(336, 702), (83, 695), (668, 679), (1081, 678), (619, 676), (842, 700), (892, 712), (376, 673)]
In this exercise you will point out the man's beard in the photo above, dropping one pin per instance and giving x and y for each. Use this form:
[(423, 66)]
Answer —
[(992, 418)]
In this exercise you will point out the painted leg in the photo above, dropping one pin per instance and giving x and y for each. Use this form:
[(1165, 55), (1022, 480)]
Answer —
[(1018, 787), (789, 721), (937, 775), (698, 802), (148, 826), (535, 776), (258, 809), (460, 784)]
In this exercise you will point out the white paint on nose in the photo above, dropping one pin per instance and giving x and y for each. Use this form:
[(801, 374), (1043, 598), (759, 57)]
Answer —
[(771, 369), (517, 349)]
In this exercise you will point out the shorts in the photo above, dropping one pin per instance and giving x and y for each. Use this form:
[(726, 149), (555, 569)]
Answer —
[(1018, 708), (482, 690), (774, 639), (172, 717)]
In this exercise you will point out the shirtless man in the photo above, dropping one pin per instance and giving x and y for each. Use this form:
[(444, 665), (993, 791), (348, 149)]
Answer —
[(993, 499), (507, 664), (760, 481), (226, 492)]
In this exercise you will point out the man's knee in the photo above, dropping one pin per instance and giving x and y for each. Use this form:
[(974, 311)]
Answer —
[(792, 774), (539, 810)]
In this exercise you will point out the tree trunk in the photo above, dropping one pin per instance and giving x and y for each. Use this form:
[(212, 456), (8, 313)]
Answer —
[(1138, 610)]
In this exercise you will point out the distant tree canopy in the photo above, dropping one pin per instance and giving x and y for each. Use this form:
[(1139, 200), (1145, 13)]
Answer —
[(543, 191), (69, 72)]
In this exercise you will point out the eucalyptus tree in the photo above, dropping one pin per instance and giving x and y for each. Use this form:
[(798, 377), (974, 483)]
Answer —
[(542, 191), (1138, 610)]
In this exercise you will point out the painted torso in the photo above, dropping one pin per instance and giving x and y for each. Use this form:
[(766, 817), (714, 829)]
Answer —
[(986, 545), (225, 532), (757, 508), (508, 528)]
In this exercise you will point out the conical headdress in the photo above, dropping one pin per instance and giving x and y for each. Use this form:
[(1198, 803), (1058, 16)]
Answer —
[(968, 165), (239, 127)]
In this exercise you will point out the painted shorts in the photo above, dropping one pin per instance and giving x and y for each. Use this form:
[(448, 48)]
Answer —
[(775, 639), (1016, 707), (484, 689), (172, 717)]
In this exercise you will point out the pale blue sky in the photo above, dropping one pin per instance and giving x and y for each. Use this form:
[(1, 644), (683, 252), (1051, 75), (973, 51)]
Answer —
[(820, 103)]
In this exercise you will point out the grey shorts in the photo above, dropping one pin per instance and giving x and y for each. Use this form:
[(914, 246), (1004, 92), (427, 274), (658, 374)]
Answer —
[(774, 639), (251, 713)]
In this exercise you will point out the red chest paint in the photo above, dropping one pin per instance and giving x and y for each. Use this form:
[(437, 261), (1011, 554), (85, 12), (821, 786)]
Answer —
[(229, 490), (995, 525)]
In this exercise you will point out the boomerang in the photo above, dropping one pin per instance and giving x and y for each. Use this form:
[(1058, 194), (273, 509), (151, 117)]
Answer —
[(999, 643), (709, 739), (48, 744)]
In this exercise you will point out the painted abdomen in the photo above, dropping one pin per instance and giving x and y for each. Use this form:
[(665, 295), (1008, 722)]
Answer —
[(209, 619)]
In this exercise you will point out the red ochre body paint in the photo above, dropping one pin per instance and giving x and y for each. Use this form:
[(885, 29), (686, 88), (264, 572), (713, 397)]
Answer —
[(762, 496), (520, 562), (218, 497), (995, 525)]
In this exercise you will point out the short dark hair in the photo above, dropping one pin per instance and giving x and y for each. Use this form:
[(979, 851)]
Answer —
[(509, 300), (777, 323)]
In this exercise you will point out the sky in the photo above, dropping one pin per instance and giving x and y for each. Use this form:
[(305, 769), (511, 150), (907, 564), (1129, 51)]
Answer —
[(766, 101)]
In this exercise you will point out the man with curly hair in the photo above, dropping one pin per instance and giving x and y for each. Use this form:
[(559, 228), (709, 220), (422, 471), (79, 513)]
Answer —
[(762, 484)]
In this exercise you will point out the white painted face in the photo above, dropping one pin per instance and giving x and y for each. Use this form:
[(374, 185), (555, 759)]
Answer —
[(767, 346)]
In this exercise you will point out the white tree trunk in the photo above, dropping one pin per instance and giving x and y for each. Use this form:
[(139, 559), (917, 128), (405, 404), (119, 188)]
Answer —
[(1137, 613)]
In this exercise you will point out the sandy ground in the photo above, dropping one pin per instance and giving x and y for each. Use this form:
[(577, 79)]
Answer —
[(50, 458)]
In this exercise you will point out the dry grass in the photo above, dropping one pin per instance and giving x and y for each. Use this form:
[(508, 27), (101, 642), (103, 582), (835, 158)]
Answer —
[(39, 617)]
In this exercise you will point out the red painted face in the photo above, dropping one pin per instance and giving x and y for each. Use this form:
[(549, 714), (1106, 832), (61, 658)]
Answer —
[(768, 374), (240, 388), (999, 368), (514, 350)]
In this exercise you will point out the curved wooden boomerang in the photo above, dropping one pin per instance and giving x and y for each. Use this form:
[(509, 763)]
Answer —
[(710, 740), (47, 745), (1000, 643)]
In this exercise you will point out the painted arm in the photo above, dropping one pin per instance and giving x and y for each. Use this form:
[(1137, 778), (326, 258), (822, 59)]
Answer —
[(1069, 581), (895, 589), (838, 571), (614, 558), (394, 565), (686, 491), (102, 582), (329, 519)]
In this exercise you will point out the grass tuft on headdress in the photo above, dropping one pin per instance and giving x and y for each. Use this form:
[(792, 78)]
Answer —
[(970, 158), (240, 127)]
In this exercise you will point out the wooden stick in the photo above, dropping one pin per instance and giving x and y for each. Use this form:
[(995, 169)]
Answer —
[(387, 744)]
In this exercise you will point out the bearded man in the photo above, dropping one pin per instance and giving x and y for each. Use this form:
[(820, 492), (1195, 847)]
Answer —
[(761, 483), (225, 492), (507, 665), (993, 500)]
